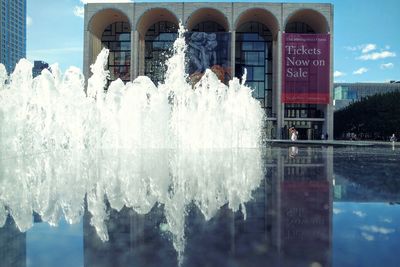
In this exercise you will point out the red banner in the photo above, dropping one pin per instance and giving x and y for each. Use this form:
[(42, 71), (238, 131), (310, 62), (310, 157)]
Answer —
[(305, 68)]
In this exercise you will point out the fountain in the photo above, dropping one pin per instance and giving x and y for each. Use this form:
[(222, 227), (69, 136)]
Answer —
[(135, 146)]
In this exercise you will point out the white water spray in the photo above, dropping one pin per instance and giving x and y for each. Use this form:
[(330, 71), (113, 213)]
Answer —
[(136, 145)]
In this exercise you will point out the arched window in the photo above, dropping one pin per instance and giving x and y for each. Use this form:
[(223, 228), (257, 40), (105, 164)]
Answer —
[(254, 53), (208, 26), (117, 38), (298, 27), (159, 40)]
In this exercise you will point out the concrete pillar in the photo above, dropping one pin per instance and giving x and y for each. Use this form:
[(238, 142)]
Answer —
[(279, 105), (233, 52), (134, 54), (86, 56), (140, 53)]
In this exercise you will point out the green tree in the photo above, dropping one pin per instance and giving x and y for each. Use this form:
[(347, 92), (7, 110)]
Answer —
[(375, 117)]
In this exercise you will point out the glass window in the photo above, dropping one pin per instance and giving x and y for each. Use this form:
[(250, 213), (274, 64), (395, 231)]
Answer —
[(254, 53), (117, 38), (159, 40), (258, 73)]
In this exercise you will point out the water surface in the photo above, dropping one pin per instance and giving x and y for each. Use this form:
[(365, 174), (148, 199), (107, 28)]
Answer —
[(283, 206)]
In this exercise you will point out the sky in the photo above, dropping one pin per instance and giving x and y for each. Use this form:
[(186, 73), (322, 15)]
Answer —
[(366, 36)]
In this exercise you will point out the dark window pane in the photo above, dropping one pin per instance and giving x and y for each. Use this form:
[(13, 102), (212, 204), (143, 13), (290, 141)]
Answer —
[(158, 44), (258, 73)]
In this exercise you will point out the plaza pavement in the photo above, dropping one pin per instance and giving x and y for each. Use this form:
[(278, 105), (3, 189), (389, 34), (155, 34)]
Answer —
[(333, 142)]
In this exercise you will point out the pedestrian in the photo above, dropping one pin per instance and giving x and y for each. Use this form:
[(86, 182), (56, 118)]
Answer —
[(393, 138), (322, 136), (294, 133), (326, 136)]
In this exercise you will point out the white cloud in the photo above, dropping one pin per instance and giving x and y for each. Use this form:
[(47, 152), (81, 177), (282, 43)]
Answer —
[(359, 213), (377, 55), (29, 21), (376, 229), (337, 211), (338, 74), (79, 11), (351, 48), (367, 48), (367, 236), (360, 71), (387, 66), (388, 220)]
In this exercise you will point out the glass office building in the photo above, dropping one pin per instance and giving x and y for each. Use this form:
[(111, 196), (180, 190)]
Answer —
[(242, 35), (347, 93), (12, 32)]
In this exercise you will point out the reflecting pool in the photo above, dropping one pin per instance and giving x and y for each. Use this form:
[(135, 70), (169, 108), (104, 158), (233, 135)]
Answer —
[(282, 206)]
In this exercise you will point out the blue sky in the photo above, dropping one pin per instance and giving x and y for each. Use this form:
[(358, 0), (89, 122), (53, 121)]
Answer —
[(366, 36)]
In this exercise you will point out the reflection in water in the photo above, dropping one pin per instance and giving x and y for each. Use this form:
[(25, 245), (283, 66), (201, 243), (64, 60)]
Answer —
[(306, 206), (293, 151), (12, 245), (291, 219), (288, 223), (54, 187)]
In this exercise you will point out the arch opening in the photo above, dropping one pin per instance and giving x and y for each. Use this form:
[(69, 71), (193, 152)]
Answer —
[(207, 20), (307, 20), (259, 15), (157, 29), (154, 16), (111, 28), (104, 18)]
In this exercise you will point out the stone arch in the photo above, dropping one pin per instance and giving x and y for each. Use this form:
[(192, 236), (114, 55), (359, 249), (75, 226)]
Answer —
[(207, 14), (96, 26), (260, 15), (101, 19), (311, 17), (152, 16)]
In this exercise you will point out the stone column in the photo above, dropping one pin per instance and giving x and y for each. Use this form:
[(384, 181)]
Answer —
[(135, 54), (87, 51), (233, 51), (279, 105)]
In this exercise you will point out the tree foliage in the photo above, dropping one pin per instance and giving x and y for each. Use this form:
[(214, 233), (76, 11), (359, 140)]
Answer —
[(375, 117)]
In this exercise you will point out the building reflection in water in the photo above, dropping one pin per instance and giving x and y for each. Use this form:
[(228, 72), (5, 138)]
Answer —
[(12, 245), (305, 216), (288, 223)]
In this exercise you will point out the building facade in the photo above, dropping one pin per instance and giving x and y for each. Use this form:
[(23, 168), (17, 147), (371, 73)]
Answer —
[(246, 36), (347, 93), (38, 66), (12, 32)]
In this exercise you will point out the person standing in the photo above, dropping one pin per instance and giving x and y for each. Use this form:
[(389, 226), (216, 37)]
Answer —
[(293, 134), (393, 138)]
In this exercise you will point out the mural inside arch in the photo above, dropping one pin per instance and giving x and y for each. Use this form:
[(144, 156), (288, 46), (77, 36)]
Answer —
[(208, 50), (305, 68)]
